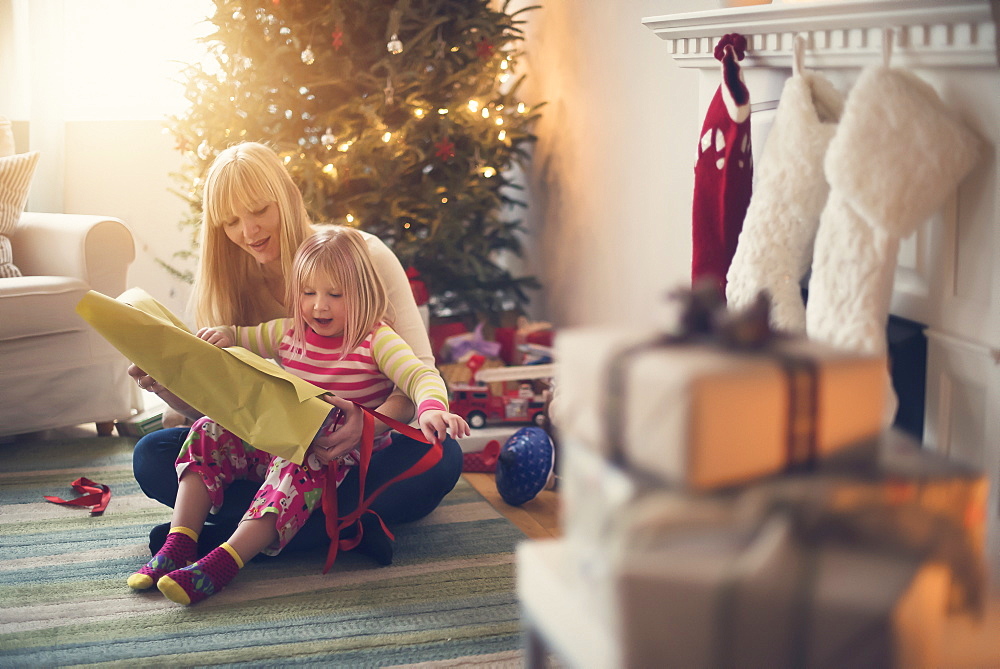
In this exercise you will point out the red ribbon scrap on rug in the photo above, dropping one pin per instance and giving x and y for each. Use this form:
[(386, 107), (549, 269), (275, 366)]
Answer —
[(92, 494)]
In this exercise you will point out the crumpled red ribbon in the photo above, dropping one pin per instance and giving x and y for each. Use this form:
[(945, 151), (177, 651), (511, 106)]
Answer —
[(93, 494)]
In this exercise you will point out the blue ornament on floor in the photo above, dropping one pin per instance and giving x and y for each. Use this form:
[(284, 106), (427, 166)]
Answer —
[(524, 465)]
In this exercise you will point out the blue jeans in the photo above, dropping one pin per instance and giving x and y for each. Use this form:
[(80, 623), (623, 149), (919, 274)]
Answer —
[(403, 502)]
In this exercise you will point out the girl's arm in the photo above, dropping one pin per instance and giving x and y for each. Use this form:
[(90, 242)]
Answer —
[(422, 383), (405, 319), (263, 339)]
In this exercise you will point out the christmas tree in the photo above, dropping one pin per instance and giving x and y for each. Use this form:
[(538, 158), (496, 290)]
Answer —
[(399, 117)]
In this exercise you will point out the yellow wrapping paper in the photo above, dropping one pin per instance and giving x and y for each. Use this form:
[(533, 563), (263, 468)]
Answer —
[(253, 398)]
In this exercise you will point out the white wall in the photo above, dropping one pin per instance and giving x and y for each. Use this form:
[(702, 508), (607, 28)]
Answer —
[(613, 172), (122, 169)]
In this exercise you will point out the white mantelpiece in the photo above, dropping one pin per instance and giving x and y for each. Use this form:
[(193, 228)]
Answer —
[(929, 33), (948, 273)]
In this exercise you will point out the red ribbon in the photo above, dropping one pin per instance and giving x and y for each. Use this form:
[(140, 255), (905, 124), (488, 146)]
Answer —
[(93, 494), (334, 524)]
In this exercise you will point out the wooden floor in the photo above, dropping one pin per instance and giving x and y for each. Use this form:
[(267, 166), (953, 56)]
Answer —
[(538, 518)]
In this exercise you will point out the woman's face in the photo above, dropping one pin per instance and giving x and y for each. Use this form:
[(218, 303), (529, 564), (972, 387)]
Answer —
[(257, 231), (322, 305)]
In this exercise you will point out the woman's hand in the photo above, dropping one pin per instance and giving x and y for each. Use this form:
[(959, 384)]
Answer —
[(436, 425), (345, 438), (215, 337), (148, 383)]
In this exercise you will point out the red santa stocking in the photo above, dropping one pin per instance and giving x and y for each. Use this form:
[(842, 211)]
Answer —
[(723, 173)]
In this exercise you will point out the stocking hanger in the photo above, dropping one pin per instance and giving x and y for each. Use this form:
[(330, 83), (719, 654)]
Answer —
[(888, 34)]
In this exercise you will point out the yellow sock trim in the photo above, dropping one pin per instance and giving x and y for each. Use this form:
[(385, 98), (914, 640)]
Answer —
[(184, 530), (140, 582), (232, 551), (174, 592)]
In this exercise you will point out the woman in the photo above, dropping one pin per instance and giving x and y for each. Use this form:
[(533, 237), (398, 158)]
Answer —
[(254, 220)]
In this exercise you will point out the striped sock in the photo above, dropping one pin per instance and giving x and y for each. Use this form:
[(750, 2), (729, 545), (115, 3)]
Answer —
[(179, 550), (205, 577)]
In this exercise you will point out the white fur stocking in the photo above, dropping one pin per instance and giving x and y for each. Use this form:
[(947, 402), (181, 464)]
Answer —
[(776, 245), (896, 157)]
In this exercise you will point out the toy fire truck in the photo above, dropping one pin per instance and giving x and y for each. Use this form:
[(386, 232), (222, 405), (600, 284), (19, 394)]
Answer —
[(479, 405)]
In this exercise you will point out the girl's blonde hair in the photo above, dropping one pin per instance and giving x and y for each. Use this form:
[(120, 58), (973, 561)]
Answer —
[(340, 254), (244, 176)]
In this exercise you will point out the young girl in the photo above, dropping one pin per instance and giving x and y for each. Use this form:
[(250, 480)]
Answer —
[(338, 342)]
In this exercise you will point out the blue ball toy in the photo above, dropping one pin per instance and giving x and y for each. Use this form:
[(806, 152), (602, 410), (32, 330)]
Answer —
[(524, 465)]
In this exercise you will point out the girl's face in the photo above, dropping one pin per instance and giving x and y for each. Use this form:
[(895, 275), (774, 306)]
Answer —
[(256, 231), (322, 305)]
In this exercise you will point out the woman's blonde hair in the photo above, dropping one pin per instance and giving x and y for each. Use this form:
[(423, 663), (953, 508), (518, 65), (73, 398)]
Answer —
[(340, 254), (243, 176)]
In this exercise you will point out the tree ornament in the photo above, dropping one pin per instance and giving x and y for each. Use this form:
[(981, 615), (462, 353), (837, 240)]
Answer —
[(390, 92), (328, 138), (444, 148), (395, 47), (441, 46), (308, 57), (204, 150), (337, 39), (484, 49)]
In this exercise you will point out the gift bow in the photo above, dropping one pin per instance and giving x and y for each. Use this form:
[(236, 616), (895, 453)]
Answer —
[(705, 319), (92, 494)]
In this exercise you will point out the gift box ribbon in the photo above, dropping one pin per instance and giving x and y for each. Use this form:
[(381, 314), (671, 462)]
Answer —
[(336, 525)]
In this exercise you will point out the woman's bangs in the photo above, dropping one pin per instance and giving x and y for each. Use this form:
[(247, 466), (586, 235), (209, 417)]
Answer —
[(237, 189)]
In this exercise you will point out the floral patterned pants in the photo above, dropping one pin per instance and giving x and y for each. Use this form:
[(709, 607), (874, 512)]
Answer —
[(290, 491)]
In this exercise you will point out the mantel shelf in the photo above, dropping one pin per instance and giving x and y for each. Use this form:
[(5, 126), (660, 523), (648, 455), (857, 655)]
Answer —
[(928, 33)]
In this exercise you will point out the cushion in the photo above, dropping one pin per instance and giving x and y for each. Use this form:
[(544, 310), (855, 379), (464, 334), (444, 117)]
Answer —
[(35, 306), (15, 181)]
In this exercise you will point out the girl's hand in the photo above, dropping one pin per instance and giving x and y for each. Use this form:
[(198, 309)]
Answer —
[(345, 438), (215, 337), (436, 425)]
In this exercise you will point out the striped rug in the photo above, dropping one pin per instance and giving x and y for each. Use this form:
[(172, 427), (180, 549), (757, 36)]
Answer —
[(447, 600)]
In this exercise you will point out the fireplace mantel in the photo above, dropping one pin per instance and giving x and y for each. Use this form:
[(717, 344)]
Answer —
[(948, 273), (928, 33)]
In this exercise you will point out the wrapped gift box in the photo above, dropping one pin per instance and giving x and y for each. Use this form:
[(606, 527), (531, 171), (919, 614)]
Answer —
[(703, 416), (889, 495), (725, 598)]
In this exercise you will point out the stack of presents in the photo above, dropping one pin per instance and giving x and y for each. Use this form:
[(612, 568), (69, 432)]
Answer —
[(732, 497)]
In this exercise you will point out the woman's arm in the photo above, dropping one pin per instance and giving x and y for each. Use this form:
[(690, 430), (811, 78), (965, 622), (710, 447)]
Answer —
[(403, 316), (175, 404)]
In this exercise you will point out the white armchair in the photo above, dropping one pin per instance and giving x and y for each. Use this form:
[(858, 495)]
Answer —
[(55, 370)]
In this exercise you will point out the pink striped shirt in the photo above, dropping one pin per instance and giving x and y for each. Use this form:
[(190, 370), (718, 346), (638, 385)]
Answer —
[(367, 375)]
